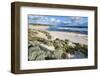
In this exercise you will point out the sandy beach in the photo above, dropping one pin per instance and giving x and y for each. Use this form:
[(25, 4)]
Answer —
[(71, 36)]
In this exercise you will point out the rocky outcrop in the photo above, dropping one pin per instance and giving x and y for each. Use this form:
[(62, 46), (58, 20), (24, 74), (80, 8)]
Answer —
[(42, 47)]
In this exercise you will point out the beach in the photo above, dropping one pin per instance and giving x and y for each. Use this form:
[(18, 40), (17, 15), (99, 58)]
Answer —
[(53, 37), (71, 36)]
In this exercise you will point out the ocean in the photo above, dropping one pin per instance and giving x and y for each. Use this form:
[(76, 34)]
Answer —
[(79, 29)]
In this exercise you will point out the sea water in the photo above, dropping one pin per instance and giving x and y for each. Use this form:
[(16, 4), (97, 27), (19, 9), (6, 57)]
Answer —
[(68, 28)]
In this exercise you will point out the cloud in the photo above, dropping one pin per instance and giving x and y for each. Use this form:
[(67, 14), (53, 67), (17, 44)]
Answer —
[(74, 20), (58, 21), (67, 22), (52, 19)]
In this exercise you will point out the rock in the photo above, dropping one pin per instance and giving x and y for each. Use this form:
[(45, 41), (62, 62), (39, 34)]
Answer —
[(42, 47)]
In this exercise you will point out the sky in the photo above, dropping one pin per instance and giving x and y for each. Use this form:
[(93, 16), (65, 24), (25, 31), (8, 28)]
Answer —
[(56, 20)]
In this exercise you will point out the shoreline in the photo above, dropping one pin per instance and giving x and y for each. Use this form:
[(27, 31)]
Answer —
[(71, 36)]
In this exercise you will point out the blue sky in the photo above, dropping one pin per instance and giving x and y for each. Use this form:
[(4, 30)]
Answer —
[(56, 20)]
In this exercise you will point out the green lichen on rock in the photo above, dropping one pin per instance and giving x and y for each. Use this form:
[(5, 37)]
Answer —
[(41, 46)]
